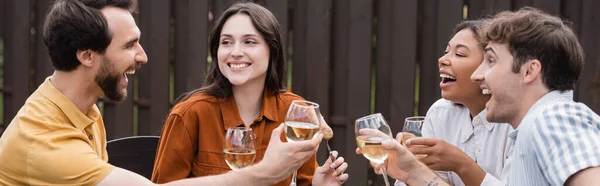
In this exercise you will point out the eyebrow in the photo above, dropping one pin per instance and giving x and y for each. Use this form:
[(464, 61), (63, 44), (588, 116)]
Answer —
[(463, 46), (489, 49), (245, 35), (132, 41)]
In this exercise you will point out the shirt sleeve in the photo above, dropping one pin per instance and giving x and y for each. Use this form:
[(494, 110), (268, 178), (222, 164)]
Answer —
[(64, 157), (566, 140), (490, 180), (176, 151)]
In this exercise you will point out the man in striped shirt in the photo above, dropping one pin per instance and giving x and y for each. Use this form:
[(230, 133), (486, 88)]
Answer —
[(530, 68)]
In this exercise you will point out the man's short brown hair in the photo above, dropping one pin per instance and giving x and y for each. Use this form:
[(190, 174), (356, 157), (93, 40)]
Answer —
[(533, 34)]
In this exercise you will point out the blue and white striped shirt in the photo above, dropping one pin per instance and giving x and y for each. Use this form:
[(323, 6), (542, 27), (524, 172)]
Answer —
[(557, 138)]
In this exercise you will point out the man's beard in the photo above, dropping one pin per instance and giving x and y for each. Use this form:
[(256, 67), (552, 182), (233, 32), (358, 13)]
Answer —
[(108, 79)]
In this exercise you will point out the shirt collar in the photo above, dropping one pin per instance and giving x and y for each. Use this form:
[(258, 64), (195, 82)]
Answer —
[(78, 118), (489, 126), (231, 115), (550, 97)]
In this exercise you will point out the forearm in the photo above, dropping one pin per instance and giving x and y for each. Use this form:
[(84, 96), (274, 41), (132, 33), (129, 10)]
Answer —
[(249, 176), (421, 175), (470, 173)]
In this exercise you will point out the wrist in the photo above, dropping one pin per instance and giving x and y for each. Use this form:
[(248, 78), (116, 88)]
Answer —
[(418, 172), (263, 174), (465, 167)]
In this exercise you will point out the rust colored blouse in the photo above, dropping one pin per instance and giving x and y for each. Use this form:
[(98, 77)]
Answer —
[(191, 143)]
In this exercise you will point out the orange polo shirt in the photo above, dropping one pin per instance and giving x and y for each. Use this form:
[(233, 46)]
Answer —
[(191, 143)]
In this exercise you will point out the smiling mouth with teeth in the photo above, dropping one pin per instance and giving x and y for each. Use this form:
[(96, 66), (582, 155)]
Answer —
[(130, 72), (486, 91), (447, 78), (239, 65)]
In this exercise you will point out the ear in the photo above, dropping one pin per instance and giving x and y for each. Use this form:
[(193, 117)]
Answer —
[(533, 70), (86, 57)]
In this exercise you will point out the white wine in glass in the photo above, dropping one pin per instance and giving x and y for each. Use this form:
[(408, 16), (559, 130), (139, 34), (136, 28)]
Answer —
[(371, 131), (302, 122), (240, 147), (300, 131)]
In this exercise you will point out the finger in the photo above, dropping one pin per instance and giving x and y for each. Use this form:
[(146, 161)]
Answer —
[(358, 151), (376, 167), (328, 133), (337, 162), (309, 145), (417, 149), (422, 141), (343, 178), (393, 145), (427, 160), (341, 169), (372, 132), (328, 162)]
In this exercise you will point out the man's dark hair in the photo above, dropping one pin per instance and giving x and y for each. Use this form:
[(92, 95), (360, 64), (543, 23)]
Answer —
[(73, 25)]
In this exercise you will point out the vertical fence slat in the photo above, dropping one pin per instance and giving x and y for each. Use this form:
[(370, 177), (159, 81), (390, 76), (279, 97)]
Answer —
[(428, 55), (318, 21), (118, 117), (396, 59), (43, 65), (16, 57), (589, 40), (280, 9), (219, 6), (548, 6), (486, 8), (571, 11), (299, 48), (191, 44), (3, 124), (595, 92), (517, 4), (355, 18), (340, 86), (154, 77)]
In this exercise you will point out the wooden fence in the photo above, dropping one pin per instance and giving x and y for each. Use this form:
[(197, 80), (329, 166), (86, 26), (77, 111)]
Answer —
[(354, 57)]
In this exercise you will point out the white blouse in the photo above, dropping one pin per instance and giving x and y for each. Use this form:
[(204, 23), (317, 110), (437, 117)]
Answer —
[(481, 140)]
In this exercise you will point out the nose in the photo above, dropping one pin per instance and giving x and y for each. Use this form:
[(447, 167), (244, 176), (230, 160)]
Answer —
[(141, 56), (444, 61), (237, 51), (478, 75)]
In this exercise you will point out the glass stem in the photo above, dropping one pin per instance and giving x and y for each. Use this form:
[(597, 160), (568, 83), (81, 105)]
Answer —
[(385, 177), (293, 183)]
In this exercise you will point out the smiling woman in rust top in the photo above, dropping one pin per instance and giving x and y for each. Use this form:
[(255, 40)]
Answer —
[(244, 87)]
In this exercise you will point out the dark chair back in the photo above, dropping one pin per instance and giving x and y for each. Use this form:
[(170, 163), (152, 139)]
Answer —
[(135, 153)]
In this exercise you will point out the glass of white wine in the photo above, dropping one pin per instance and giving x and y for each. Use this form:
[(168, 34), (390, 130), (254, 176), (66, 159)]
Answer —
[(240, 147), (412, 128), (371, 131), (302, 122)]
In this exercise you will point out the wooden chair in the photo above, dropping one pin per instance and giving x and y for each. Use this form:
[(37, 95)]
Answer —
[(135, 153)]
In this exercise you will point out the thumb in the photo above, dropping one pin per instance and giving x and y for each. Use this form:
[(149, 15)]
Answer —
[(392, 145), (277, 132)]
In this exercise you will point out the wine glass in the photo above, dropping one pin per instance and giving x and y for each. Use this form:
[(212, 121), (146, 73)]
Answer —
[(413, 125), (302, 122), (371, 131), (412, 128), (240, 147)]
